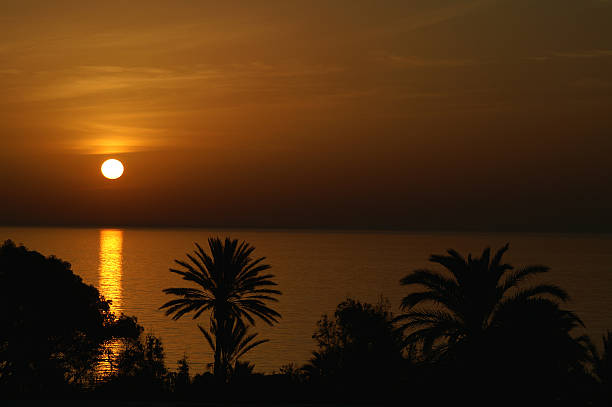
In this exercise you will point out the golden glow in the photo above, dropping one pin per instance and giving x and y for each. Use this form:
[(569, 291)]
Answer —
[(109, 284), (110, 270), (112, 169)]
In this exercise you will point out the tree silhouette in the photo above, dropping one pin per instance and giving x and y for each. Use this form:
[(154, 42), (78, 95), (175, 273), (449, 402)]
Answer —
[(140, 370), (479, 316), (53, 325), (602, 367), (359, 351), (462, 303), (231, 285), (181, 378), (143, 357)]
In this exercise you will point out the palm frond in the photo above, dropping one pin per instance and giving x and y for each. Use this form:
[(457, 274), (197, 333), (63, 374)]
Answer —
[(430, 279), (542, 289), (417, 298), (208, 337), (514, 279), (477, 296)]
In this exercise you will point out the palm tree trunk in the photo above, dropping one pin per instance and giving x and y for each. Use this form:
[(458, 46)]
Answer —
[(221, 336), (218, 369)]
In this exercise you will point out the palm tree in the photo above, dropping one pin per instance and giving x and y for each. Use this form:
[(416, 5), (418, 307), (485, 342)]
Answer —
[(602, 366), (490, 332), (238, 342), (231, 285), (469, 300)]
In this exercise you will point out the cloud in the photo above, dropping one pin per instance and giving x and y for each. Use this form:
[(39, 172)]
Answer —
[(99, 80), (98, 135), (443, 14), (9, 71), (595, 53), (593, 83), (585, 54), (416, 61)]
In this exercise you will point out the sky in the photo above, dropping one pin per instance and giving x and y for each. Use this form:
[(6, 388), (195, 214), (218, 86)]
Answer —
[(412, 114)]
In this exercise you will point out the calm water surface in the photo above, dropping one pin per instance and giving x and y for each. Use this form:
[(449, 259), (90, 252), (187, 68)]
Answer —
[(315, 271)]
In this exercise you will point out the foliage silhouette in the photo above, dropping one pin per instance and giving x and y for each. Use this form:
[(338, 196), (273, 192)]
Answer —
[(231, 286), (143, 357), (291, 371), (358, 350), (242, 371), (53, 325), (141, 370), (183, 378), (462, 304), (602, 367), (478, 332), (478, 318), (235, 345)]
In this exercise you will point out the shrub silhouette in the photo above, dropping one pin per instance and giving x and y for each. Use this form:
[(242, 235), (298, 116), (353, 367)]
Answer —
[(358, 350), (140, 372), (182, 378), (231, 286)]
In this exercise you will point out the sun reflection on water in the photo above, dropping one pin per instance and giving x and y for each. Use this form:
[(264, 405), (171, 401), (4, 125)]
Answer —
[(109, 280), (109, 284)]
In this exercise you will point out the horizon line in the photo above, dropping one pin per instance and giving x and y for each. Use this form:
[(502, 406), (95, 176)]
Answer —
[(355, 229)]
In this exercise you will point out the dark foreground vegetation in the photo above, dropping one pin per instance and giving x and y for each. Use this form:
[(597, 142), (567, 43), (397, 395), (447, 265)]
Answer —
[(475, 331)]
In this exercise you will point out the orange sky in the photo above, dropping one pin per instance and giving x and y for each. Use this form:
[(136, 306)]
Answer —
[(475, 114)]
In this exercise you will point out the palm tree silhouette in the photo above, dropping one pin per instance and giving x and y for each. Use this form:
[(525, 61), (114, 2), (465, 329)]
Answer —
[(237, 343), (469, 299), (231, 286)]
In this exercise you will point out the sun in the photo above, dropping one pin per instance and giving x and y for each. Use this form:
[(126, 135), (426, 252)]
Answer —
[(112, 169)]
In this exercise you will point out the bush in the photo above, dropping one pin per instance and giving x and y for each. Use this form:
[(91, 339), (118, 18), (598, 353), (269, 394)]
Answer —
[(359, 351)]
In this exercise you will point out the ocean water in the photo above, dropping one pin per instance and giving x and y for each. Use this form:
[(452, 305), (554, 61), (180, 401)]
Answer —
[(315, 271)]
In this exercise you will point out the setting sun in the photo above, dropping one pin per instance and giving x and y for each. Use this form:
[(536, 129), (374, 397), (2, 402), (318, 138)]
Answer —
[(112, 169)]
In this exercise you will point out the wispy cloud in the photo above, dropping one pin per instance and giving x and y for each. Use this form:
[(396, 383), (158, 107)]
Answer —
[(98, 135), (584, 54), (594, 53), (417, 61), (92, 80), (593, 83), (442, 14), (9, 71)]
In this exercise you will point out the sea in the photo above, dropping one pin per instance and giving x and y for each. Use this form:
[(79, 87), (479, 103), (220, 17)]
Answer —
[(314, 269)]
